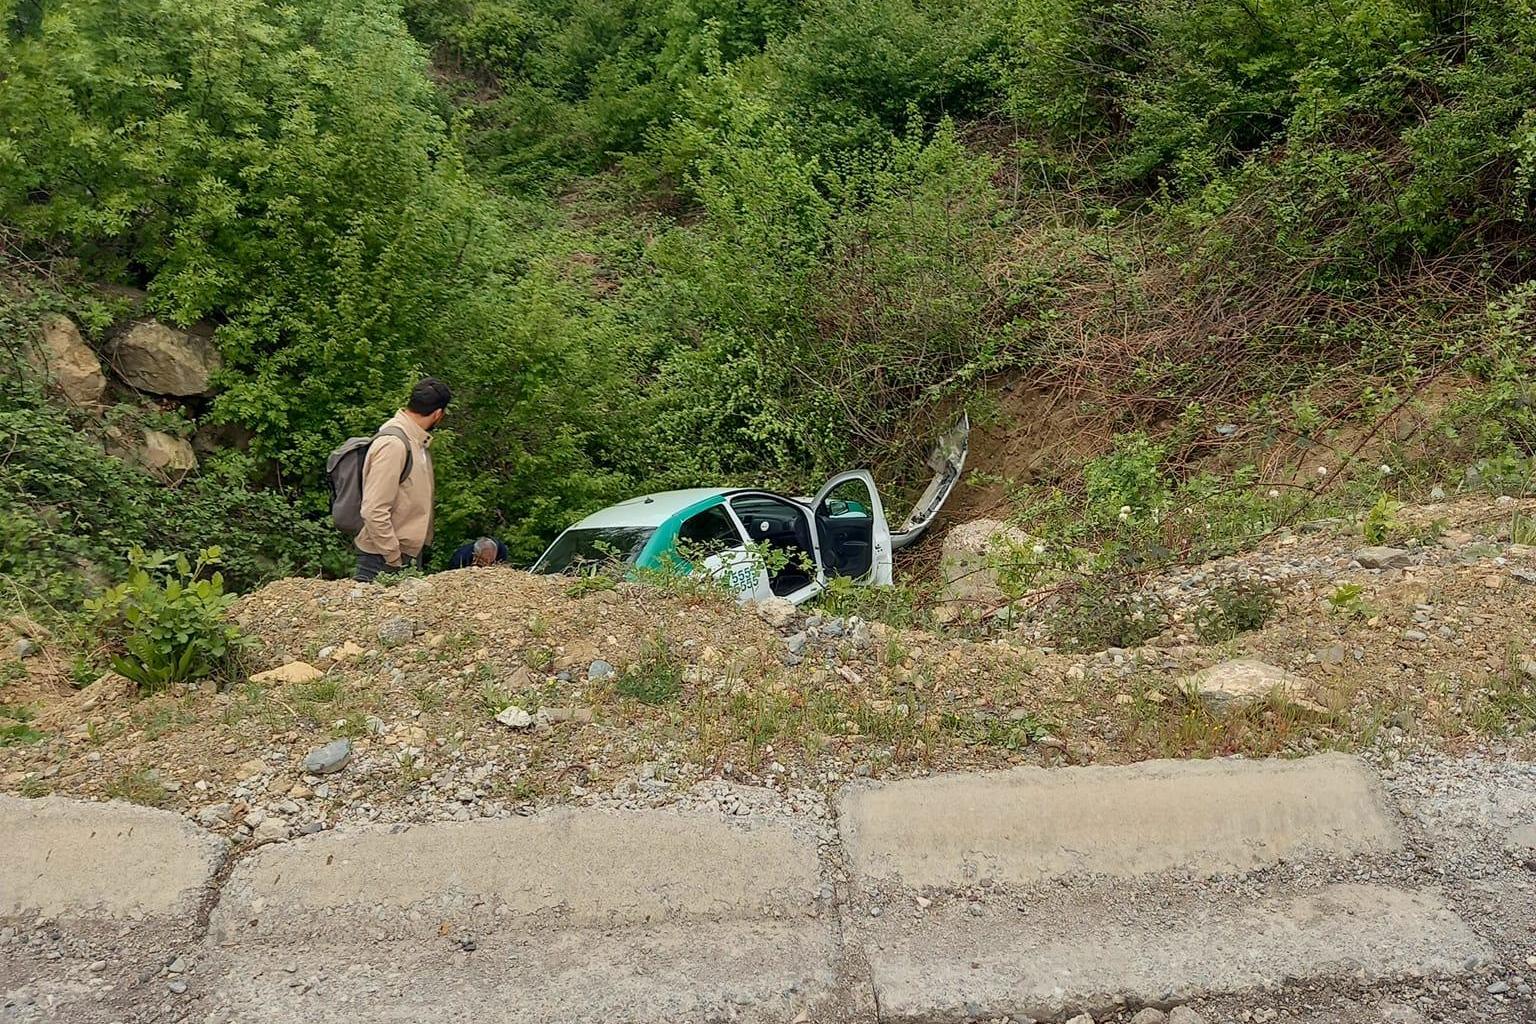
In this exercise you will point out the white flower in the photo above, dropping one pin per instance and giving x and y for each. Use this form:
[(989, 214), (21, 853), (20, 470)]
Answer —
[(1385, 470), (1039, 549), (1274, 492), (1125, 513), (1322, 470)]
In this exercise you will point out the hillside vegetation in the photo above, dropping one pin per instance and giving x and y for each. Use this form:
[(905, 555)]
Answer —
[(657, 244)]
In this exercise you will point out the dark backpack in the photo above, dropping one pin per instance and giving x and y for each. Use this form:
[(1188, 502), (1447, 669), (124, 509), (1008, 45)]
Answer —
[(344, 477)]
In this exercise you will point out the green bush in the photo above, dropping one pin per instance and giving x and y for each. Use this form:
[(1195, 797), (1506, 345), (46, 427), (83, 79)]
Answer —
[(68, 511), (173, 622), (1105, 611), (1235, 606)]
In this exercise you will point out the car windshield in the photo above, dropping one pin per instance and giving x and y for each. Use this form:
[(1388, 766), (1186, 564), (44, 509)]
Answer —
[(578, 549)]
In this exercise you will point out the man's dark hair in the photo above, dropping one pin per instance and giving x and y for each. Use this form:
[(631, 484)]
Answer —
[(428, 396)]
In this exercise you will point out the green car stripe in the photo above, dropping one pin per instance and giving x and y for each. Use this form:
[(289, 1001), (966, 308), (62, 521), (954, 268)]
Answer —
[(660, 551)]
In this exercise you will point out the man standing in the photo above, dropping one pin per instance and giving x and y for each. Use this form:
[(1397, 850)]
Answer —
[(397, 500)]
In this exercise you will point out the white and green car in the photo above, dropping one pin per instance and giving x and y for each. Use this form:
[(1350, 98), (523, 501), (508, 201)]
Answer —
[(842, 531)]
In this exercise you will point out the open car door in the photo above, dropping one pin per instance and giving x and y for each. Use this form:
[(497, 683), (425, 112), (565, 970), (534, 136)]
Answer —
[(947, 461), (852, 537)]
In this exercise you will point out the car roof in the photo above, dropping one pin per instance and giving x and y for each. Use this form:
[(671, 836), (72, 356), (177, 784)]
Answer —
[(649, 510)]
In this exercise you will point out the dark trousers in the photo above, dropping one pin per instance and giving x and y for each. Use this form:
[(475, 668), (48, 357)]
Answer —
[(370, 565)]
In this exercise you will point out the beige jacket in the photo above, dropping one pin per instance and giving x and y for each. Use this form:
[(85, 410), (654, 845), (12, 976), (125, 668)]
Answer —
[(397, 515)]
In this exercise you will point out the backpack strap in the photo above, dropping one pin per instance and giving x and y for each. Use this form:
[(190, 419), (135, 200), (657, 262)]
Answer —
[(405, 470)]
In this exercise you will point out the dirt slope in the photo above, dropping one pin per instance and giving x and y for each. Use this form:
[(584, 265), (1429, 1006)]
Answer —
[(414, 676)]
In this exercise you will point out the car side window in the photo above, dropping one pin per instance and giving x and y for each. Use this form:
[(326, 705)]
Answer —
[(708, 533)]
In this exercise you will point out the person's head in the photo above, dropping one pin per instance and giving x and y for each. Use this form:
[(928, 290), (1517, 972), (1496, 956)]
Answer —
[(429, 402), (485, 551)]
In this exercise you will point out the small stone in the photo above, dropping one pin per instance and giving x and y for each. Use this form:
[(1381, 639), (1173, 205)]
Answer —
[(1081, 1018), (396, 630), (177, 966), (796, 642), (97, 966), (1498, 988), (514, 717), (271, 830), (347, 651), (1184, 1015), (1415, 635), (293, 672), (332, 757), (177, 987), (1523, 575), (599, 669), (778, 612), (1150, 1015), (1333, 654), (26, 648), (1378, 557)]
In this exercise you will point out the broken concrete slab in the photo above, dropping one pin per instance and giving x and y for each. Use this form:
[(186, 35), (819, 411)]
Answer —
[(114, 861), (98, 896), (752, 972), (572, 915), (586, 867), (1030, 824), (954, 965)]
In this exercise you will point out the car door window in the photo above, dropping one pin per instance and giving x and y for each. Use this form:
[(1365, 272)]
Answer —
[(706, 533), (845, 522)]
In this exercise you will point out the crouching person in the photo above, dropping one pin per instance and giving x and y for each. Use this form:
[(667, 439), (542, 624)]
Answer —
[(479, 553)]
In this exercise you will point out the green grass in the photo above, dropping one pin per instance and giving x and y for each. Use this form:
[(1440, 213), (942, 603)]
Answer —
[(656, 677), (140, 787), (15, 727)]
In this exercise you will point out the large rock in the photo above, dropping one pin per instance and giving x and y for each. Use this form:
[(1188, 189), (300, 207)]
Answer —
[(70, 363), (1379, 557), (1242, 681), (165, 361), (166, 453), (970, 556)]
